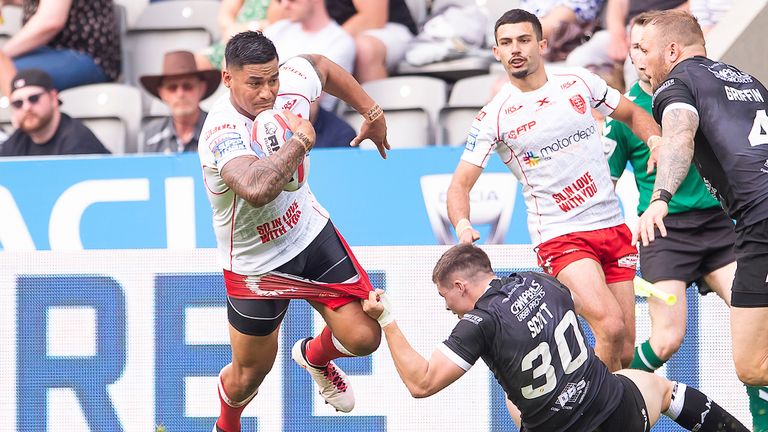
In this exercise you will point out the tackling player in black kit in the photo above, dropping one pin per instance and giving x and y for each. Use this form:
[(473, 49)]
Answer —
[(715, 114), (524, 328)]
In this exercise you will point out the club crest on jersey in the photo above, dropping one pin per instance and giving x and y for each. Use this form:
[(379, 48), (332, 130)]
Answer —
[(578, 104)]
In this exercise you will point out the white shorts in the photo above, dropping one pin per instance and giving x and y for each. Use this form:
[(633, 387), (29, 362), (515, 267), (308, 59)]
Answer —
[(396, 37)]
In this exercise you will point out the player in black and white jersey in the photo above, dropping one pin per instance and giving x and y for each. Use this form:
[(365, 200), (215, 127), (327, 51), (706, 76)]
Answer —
[(715, 114), (525, 329)]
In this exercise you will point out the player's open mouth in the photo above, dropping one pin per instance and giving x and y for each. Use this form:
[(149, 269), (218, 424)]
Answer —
[(516, 62)]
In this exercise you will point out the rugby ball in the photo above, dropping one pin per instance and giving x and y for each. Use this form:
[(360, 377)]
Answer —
[(270, 132)]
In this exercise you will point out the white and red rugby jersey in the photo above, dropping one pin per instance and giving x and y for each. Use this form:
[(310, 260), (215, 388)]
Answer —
[(551, 143), (254, 240)]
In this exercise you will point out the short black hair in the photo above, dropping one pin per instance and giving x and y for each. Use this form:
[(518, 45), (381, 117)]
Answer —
[(515, 16), (249, 47)]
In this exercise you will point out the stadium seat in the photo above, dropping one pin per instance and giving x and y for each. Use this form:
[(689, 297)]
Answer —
[(11, 22), (169, 26), (133, 9), (112, 111), (467, 97), (411, 105)]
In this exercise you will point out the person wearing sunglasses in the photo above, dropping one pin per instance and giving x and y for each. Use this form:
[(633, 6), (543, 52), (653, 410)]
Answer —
[(41, 128), (181, 86)]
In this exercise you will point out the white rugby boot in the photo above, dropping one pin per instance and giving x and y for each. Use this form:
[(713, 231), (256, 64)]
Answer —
[(333, 382)]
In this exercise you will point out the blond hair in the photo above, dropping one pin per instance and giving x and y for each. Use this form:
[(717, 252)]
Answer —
[(676, 26)]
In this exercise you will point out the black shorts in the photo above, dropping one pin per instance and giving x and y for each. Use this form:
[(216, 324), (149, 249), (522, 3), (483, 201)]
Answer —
[(631, 415), (324, 260), (697, 243), (750, 287)]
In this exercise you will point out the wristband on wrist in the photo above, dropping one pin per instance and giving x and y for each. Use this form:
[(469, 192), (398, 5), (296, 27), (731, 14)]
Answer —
[(462, 226), (304, 139), (661, 195), (386, 317), (373, 113)]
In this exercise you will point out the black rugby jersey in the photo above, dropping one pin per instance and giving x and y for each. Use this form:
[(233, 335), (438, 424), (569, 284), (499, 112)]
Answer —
[(525, 329), (731, 144)]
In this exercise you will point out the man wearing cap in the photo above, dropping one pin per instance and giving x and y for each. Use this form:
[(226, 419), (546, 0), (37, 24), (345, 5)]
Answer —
[(41, 128), (181, 86)]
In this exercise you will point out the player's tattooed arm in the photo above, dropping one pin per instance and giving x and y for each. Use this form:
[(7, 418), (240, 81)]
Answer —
[(676, 149), (260, 181), (313, 60)]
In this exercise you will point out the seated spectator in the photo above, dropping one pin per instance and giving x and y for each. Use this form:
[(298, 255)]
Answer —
[(236, 16), (181, 86), (76, 41), (41, 129), (330, 129), (382, 30), (709, 12), (308, 29), (564, 23)]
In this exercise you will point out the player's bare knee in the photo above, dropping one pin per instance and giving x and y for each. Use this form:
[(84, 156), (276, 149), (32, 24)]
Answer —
[(362, 343), (612, 329), (668, 346), (751, 372)]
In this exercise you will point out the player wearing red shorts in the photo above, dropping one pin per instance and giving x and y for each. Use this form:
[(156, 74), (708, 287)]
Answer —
[(541, 126)]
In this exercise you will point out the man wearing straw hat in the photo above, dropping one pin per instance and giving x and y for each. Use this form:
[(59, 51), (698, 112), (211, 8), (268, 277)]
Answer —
[(181, 86)]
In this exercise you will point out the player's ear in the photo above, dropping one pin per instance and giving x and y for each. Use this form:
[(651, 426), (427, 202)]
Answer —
[(496, 55)]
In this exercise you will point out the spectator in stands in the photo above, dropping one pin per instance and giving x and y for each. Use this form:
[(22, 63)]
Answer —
[(76, 41), (564, 23), (382, 30), (609, 47), (709, 12), (234, 17), (330, 129), (308, 29), (181, 86), (41, 129)]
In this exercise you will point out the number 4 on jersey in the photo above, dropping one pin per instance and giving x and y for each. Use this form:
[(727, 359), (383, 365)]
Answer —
[(759, 133)]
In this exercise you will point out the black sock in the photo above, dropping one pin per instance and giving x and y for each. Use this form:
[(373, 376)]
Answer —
[(693, 410)]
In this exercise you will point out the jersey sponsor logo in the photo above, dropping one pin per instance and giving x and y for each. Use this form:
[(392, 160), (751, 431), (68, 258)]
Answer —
[(511, 110), (628, 261), (472, 138), (480, 116), (277, 227), (543, 102), (293, 70), (225, 144), (520, 130), (571, 395), (746, 95), (724, 72), (663, 87), (576, 193), (567, 85), (531, 159), (527, 301), (474, 319), (288, 105), (577, 102), (765, 170), (561, 143), (217, 128)]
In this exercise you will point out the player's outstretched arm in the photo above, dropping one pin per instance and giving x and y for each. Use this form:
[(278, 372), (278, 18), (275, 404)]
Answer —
[(464, 178), (340, 83), (259, 181), (422, 377), (673, 154), (639, 121)]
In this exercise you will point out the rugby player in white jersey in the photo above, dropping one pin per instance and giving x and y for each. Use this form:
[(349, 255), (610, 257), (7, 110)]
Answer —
[(541, 125), (275, 245)]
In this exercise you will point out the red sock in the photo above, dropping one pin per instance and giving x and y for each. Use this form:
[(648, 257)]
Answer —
[(229, 416), (320, 350)]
